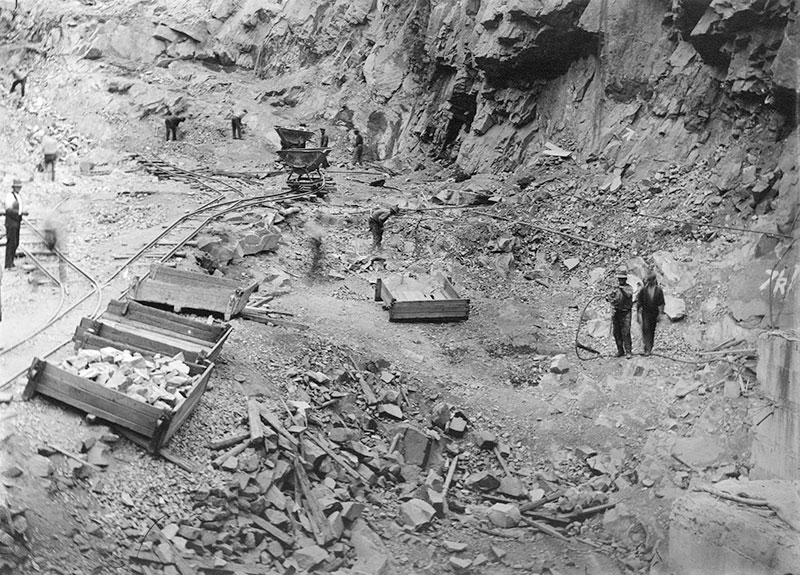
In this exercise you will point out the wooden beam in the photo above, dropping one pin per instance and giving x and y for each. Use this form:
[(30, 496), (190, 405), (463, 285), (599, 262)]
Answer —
[(283, 538), (230, 453), (323, 532), (254, 420), (228, 441), (275, 423)]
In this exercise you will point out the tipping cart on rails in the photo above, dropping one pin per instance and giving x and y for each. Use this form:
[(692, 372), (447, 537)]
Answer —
[(292, 138), (304, 165)]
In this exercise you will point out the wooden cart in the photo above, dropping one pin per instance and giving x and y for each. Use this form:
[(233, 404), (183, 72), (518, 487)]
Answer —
[(148, 330), (424, 299), (153, 426), (190, 290)]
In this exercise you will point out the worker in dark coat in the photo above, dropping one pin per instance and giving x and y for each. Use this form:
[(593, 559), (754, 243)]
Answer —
[(358, 149), (171, 121), (377, 221), (323, 143), (14, 213), (621, 300), (650, 306)]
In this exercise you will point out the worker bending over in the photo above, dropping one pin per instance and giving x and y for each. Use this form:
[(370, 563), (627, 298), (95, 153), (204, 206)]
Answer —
[(377, 221)]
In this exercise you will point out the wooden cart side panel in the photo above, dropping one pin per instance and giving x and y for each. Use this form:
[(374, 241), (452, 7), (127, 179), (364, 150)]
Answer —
[(450, 309), (188, 405), (450, 290), (214, 352), (243, 294), (171, 322), (215, 300), (188, 279), (386, 295), (157, 334), (88, 396), (91, 341)]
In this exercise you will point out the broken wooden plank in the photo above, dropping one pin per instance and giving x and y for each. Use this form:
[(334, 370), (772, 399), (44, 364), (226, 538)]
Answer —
[(228, 441), (323, 532), (502, 461), (182, 462), (336, 457), (254, 420), (275, 423), (539, 502), (283, 538), (230, 453), (369, 395), (544, 528), (73, 456)]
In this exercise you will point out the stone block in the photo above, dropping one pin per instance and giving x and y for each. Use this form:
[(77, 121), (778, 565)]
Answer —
[(504, 515), (416, 513), (711, 536), (309, 557), (483, 480), (415, 446), (559, 364), (485, 439), (512, 487), (674, 308)]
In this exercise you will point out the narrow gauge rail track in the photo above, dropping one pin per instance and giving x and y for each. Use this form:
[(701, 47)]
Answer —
[(217, 208)]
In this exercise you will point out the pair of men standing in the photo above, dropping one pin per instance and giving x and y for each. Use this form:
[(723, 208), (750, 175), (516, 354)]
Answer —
[(649, 304)]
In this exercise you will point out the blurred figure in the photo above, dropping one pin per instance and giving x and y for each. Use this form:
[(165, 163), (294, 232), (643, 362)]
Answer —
[(50, 151), (650, 306), (172, 121), (358, 149), (323, 138), (237, 115), (377, 221), (18, 79)]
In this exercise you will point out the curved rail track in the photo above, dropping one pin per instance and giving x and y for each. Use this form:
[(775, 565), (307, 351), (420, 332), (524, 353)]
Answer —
[(196, 219)]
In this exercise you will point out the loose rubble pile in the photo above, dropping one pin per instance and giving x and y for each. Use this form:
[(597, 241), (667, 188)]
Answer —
[(308, 480), (13, 529), (160, 381)]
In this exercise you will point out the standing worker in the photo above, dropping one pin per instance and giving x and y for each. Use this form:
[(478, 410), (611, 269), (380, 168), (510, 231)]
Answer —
[(377, 220), (323, 143), (650, 306), (621, 300), (14, 213), (171, 121), (237, 115), (358, 149), (50, 151), (18, 79)]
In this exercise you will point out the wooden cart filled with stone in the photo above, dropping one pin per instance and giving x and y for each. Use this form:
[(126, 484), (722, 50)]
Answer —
[(138, 327), (148, 395), (180, 289)]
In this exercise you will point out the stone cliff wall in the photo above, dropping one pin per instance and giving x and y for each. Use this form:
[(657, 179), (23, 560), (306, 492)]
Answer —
[(630, 86)]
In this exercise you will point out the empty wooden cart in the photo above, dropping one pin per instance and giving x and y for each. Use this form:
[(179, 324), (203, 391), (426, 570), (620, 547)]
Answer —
[(421, 299), (190, 290)]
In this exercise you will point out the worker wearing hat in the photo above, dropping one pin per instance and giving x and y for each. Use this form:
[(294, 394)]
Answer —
[(650, 306), (14, 213), (621, 300), (237, 115), (377, 221)]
